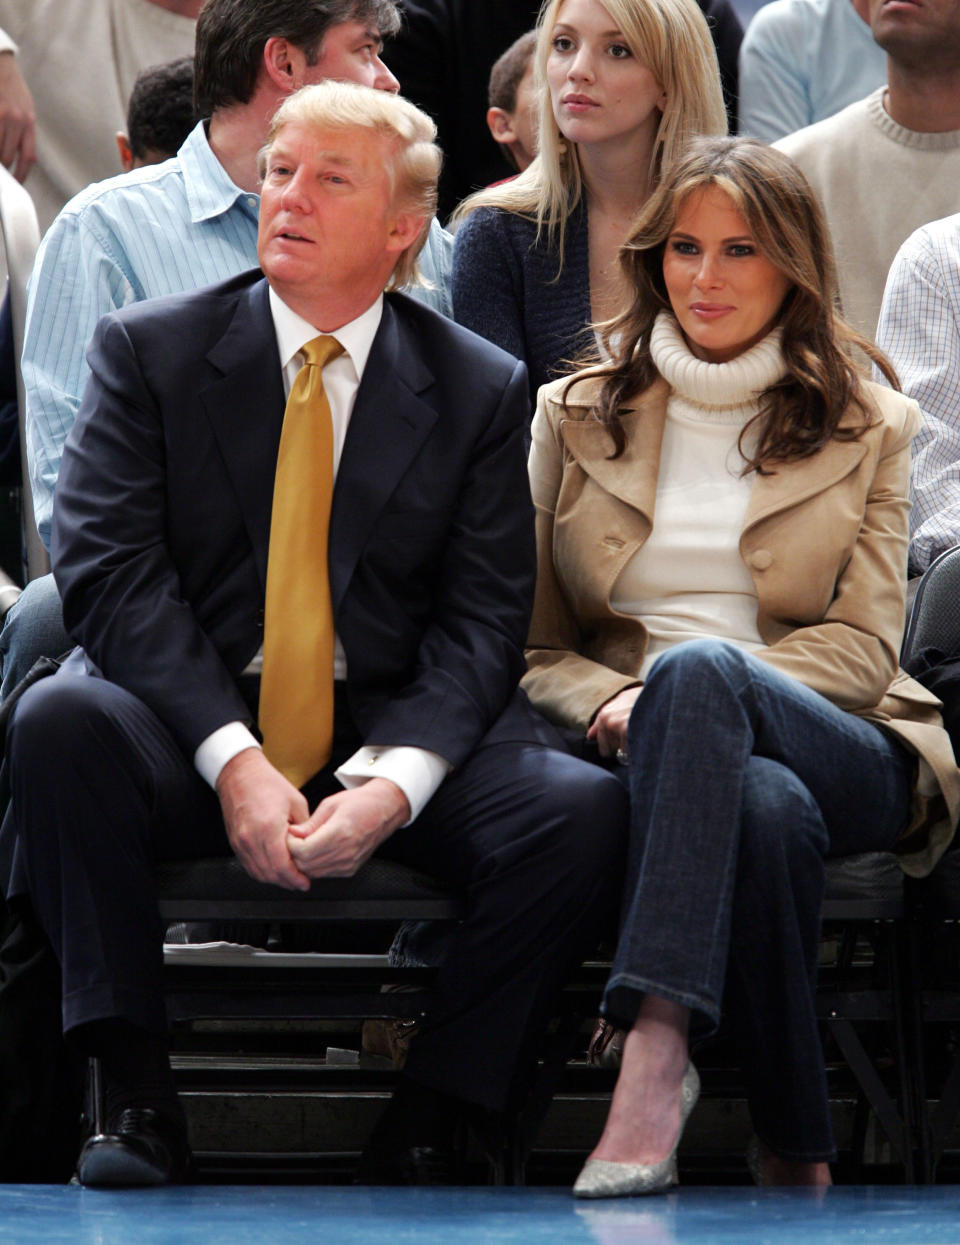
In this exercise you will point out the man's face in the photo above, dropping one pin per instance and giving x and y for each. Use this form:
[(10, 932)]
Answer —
[(923, 35), (327, 217), (350, 52)]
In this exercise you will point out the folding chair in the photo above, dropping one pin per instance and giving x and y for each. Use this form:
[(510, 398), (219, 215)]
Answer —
[(934, 901)]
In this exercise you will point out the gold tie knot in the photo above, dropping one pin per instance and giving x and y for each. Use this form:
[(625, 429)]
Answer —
[(320, 350)]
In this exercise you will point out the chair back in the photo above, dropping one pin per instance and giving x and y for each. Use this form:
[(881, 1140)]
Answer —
[(21, 237), (935, 616)]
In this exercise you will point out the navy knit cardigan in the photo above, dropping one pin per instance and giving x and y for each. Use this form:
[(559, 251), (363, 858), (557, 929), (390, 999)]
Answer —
[(506, 289)]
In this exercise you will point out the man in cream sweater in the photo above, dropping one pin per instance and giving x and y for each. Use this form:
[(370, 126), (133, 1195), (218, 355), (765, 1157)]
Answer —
[(891, 162)]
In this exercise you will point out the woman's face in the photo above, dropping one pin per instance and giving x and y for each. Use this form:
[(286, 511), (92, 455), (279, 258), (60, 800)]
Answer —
[(599, 90), (725, 294)]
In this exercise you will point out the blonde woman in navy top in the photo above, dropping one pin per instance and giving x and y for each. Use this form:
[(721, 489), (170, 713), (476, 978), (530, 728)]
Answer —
[(623, 87)]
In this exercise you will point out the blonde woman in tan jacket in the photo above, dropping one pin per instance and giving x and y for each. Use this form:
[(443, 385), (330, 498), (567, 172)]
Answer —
[(722, 534)]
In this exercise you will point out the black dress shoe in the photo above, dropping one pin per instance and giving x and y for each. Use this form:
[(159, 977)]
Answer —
[(139, 1147), (413, 1141), (409, 1165)]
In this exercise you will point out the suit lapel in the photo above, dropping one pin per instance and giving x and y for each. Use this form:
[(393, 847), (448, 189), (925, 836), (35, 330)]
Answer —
[(631, 478), (245, 408), (791, 483), (389, 424)]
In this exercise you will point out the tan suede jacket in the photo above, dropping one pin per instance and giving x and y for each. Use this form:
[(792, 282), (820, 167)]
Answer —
[(825, 539)]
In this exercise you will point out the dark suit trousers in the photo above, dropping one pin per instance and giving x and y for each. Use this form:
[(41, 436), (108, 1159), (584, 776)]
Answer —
[(101, 792)]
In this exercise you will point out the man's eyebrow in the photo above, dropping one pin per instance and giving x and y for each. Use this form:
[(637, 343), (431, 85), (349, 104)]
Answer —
[(336, 157), (374, 36), (331, 157)]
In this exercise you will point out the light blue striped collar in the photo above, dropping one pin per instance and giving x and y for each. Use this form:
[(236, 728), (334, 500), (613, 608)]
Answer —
[(210, 192)]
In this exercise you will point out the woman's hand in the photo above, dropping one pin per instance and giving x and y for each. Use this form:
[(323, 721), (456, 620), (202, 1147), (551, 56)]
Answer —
[(609, 727)]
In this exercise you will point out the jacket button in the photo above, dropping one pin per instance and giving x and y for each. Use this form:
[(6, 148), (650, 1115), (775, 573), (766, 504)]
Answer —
[(761, 560)]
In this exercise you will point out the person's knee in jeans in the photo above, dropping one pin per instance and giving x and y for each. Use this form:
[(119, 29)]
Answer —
[(33, 628)]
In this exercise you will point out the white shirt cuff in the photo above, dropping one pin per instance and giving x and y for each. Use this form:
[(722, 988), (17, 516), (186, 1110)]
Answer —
[(417, 772), (7, 44), (219, 748)]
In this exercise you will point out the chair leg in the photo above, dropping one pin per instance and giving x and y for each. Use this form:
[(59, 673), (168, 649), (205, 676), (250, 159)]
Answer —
[(557, 1049), (911, 1008), (496, 1148), (861, 1118), (95, 1100), (944, 1116), (876, 1093), (901, 986), (895, 1115)]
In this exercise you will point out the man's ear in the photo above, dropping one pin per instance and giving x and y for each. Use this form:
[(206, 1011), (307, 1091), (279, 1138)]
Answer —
[(284, 64), (404, 231), (126, 155), (500, 123)]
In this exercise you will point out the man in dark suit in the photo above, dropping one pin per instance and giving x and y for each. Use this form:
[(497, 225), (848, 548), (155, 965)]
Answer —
[(411, 739)]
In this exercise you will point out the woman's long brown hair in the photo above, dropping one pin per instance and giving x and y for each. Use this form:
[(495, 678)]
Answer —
[(800, 412)]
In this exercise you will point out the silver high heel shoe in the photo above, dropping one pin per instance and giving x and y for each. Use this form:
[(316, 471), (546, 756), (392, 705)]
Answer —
[(603, 1178)]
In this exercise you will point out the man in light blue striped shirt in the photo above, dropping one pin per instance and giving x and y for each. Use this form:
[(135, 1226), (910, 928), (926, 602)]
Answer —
[(179, 225), (920, 331)]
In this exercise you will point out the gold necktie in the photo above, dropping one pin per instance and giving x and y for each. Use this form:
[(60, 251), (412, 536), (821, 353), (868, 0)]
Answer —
[(296, 685)]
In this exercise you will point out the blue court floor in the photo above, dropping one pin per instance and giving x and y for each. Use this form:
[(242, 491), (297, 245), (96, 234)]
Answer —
[(237, 1215)]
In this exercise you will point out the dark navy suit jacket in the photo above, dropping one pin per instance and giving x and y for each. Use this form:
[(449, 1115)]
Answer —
[(162, 518)]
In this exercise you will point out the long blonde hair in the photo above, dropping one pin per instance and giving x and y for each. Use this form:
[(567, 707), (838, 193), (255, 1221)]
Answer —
[(672, 39)]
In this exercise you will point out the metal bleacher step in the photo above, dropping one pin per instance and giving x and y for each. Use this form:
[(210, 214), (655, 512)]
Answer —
[(308, 1117)]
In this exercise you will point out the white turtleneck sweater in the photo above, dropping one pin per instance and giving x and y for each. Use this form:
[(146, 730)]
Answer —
[(688, 580)]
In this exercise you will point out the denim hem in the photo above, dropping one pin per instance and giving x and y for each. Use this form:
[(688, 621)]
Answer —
[(624, 993), (796, 1156), (140, 1008)]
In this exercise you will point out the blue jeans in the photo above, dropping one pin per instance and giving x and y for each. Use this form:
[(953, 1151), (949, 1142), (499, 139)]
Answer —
[(741, 781), (32, 628)]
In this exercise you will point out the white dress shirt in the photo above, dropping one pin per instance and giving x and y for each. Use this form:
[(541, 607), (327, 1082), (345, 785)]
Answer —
[(417, 772)]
